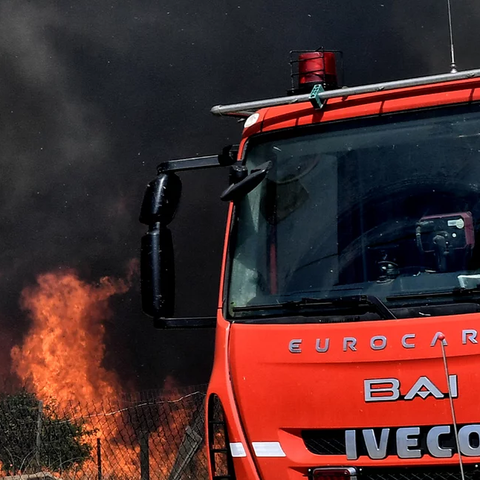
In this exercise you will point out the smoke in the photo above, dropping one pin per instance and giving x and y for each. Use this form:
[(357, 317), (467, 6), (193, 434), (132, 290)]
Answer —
[(63, 203), (95, 93), (56, 153), (424, 28)]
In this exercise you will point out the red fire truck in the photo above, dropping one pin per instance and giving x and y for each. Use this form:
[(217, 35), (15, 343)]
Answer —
[(347, 343)]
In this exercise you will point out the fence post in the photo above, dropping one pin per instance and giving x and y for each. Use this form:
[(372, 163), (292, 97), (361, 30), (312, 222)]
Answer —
[(99, 459), (191, 442), (144, 455), (38, 440)]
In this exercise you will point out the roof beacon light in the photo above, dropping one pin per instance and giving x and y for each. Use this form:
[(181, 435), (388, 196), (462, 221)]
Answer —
[(317, 67)]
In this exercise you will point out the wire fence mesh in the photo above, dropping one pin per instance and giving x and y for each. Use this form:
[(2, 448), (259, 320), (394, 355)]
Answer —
[(149, 436)]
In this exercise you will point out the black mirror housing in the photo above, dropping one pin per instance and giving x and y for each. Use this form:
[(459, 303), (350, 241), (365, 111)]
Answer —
[(161, 199), (157, 272), (157, 264)]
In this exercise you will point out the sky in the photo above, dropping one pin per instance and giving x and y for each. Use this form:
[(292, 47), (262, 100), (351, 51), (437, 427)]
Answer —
[(94, 94)]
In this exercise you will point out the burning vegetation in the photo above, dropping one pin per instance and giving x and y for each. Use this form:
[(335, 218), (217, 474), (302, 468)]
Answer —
[(61, 361), (62, 354)]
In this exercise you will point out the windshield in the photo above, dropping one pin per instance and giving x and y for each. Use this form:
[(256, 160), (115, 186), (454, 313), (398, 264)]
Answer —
[(376, 208)]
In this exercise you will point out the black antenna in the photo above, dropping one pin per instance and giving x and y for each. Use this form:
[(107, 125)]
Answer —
[(453, 67)]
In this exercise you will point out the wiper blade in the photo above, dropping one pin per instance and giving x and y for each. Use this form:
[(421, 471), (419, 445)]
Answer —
[(456, 293), (351, 301), (325, 305)]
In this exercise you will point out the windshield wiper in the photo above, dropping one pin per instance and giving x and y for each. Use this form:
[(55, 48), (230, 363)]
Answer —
[(328, 305), (456, 293)]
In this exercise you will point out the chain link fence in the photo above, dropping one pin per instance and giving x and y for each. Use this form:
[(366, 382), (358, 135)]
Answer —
[(149, 436)]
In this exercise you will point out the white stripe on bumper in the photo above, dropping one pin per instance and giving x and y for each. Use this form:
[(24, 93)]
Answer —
[(238, 450), (268, 449)]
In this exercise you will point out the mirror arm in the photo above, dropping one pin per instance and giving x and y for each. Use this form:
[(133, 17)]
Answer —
[(185, 322)]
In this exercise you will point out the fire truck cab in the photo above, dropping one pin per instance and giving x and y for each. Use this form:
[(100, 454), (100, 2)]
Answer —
[(349, 307)]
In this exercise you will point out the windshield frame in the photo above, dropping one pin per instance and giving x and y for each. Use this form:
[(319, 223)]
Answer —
[(343, 125)]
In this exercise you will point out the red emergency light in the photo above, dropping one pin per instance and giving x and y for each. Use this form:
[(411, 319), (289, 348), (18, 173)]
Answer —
[(315, 67)]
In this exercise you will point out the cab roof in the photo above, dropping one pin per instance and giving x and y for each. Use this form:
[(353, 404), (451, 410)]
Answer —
[(345, 103)]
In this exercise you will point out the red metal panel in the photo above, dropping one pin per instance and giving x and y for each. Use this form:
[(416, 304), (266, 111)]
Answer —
[(279, 393), (289, 116)]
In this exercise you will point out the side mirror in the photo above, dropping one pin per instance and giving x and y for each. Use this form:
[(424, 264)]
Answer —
[(237, 191), (157, 260), (157, 253), (161, 199), (157, 268)]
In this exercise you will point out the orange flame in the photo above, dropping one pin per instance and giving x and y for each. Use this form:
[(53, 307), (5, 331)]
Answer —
[(63, 353), (61, 358)]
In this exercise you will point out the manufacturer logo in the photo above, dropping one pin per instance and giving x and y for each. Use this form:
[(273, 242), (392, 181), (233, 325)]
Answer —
[(412, 442), (380, 342), (390, 389)]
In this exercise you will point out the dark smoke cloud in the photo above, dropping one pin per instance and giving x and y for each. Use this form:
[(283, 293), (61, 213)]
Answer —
[(425, 28), (93, 94)]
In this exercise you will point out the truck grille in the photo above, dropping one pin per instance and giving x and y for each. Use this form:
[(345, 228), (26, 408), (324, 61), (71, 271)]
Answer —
[(325, 442), (332, 442)]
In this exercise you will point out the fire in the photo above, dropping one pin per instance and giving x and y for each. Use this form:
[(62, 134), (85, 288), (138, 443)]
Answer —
[(62, 357), (62, 354)]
